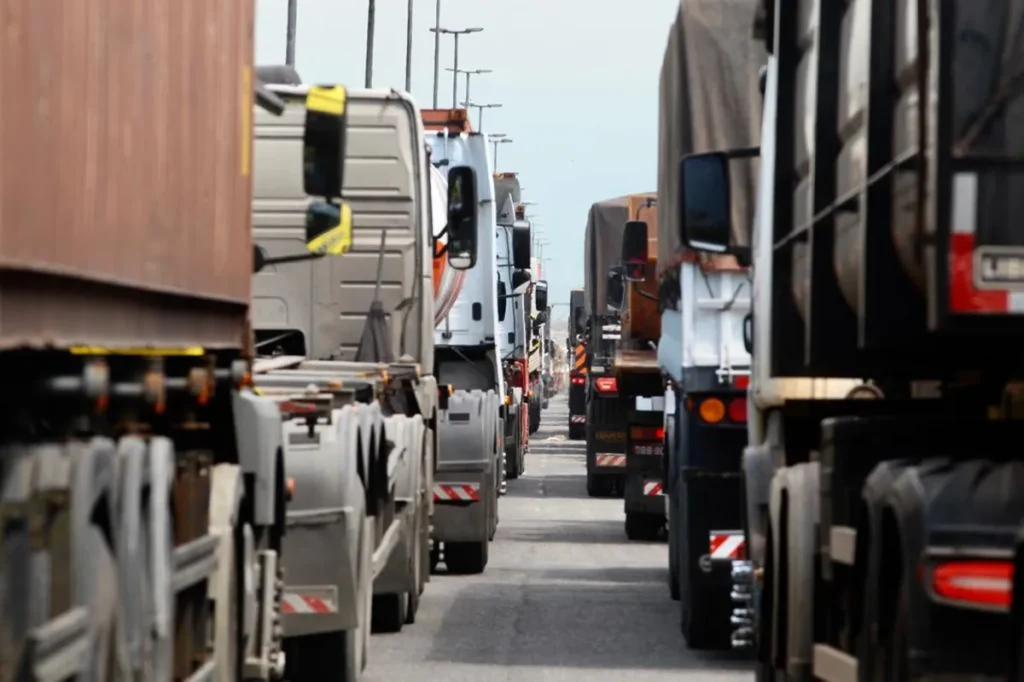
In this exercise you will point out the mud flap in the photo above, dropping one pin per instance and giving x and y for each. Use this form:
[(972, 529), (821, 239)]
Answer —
[(708, 501)]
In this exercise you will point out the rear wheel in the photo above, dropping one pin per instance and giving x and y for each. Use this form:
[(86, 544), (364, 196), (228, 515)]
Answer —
[(576, 432), (642, 526), (389, 612), (466, 558), (332, 656)]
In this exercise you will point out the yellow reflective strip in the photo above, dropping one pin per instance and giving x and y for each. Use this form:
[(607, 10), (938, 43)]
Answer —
[(327, 100), (338, 239), (194, 351), (247, 105)]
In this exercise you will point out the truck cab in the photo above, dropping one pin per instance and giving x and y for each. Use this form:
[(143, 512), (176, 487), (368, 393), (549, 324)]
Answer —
[(468, 359), (576, 350), (348, 352), (513, 241)]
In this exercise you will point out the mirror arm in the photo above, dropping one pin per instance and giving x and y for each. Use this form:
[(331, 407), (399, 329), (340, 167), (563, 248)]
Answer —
[(292, 259)]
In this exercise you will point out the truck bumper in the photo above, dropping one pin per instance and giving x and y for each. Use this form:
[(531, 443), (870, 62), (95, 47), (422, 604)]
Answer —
[(464, 500)]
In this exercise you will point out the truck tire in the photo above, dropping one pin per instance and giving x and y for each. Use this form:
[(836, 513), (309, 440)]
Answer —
[(577, 431), (642, 526), (389, 612), (466, 558), (513, 455), (534, 415), (330, 656)]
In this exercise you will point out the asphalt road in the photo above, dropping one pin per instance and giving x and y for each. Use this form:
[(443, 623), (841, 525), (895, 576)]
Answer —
[(565, 596)]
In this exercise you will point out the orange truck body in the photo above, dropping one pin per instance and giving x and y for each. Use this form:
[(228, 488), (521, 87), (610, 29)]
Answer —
[(641, 320)]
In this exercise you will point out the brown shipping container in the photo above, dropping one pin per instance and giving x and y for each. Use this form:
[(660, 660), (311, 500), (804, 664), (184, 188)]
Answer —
[(125, 191)]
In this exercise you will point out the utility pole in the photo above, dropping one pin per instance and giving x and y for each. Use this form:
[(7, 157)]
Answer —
[(408, 47), (480, 112), (437, 30), (468, 73), (371, 10), (289, 45), (497, 139), (437, 46)]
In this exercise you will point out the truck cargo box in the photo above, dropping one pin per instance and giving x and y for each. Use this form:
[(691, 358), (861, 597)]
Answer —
[(602, 249), (900, 236), (125, 179), (708, 100)]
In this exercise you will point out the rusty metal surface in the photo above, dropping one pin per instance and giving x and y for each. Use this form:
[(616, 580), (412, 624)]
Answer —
[(641, 320), (125, 192), (636, 361)]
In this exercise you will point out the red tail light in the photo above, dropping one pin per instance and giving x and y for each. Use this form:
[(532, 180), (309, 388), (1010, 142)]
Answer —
[(741, 381), (578, 381), (738, 410), (647, 433), (606, 385), (974, 583)]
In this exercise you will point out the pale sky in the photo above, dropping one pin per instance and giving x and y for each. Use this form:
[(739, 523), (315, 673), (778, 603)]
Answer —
[(577, 81)]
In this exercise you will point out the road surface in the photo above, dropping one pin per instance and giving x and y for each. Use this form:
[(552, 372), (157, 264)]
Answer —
[(565, 596)]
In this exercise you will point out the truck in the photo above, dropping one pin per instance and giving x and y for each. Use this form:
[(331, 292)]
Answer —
[(538, 350), (349, 357), (576, 350), (704, 300), (466, 357), (142, 497), (881, 503), (604, 415), (641, 389), (514, 241)]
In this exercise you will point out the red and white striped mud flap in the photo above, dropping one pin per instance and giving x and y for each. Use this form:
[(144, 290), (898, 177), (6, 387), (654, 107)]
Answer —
[(653, 488), (727, 544), (304, 600), (578, 419), (456, 492), (607, 460)]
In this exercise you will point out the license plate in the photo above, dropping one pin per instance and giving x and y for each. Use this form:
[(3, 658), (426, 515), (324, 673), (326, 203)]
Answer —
[(649, 449)]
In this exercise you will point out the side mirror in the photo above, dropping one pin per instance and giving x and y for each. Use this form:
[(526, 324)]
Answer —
[(634, 251), (324, 141), (502, 301), (706, 204), (462, 217), (706, 211), (616, 289), (259, 258), (540, 295), (542, 318), (522, 246), (328, 228)]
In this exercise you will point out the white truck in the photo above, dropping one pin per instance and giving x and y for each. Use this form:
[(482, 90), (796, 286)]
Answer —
[(347, 346), (466, 357), (513, 240)]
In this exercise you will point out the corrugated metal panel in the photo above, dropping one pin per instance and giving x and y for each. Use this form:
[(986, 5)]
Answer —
[(125, 145)]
